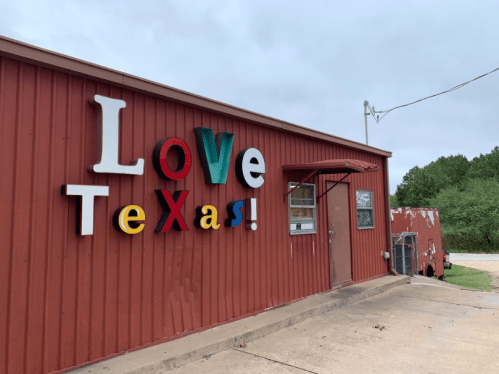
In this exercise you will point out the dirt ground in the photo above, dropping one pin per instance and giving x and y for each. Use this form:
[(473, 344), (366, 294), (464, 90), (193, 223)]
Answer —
[(490, 266)]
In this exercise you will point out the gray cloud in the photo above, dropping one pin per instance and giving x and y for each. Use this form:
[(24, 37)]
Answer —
[(310, 63)]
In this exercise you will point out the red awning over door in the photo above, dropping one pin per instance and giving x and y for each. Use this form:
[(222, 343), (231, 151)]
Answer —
[(337, 166)]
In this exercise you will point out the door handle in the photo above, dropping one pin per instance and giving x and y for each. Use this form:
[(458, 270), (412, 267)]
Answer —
[(331, 232)]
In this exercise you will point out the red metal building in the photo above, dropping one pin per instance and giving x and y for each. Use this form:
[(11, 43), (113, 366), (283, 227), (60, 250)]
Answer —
[(70, 297), (425, 223)]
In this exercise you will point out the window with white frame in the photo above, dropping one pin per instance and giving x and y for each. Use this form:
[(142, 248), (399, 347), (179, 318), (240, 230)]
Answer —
[(302, 209), (365, 215)]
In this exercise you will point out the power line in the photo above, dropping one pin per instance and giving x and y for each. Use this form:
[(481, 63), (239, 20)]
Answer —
[(377, 119)]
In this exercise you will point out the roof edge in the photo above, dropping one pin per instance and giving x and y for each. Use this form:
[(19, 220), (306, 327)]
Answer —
[(20, 51)]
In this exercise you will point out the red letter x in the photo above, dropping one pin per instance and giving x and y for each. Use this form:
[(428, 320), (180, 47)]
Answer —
[(171, 206)]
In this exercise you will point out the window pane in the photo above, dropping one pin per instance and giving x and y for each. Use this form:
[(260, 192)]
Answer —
[(365, 218), (304, 191), (302, 209), (302, 213), (300, 201), (303, 195), (364, 199)]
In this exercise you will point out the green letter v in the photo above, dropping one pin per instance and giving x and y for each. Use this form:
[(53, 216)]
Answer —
[(214, 157)]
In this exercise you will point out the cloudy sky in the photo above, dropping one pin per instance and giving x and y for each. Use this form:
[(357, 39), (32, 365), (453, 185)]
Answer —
[(312, 63)]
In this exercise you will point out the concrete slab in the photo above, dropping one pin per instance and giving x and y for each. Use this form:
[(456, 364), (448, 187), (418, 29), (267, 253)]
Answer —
[(170, 355), (415, 328), (418, 279)]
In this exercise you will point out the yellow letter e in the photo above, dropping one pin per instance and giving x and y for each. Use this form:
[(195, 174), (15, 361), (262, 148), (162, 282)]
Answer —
[(127, 219)]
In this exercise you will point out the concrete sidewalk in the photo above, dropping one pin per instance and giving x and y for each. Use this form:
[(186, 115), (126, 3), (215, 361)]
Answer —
[(170, 355), (426, 326)]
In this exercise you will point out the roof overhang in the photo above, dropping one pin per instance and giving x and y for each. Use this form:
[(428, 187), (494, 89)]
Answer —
[(337, 166)]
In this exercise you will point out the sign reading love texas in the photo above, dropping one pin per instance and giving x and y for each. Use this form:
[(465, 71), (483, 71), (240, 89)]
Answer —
[(214, 155)]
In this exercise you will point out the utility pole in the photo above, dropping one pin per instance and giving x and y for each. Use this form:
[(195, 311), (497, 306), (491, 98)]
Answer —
[(365, 116), (371, 111)]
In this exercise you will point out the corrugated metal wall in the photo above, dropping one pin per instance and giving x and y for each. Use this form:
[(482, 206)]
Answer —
[(66, 299)]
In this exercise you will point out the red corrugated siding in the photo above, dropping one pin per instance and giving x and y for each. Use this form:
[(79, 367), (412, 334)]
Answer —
[(67, 300)]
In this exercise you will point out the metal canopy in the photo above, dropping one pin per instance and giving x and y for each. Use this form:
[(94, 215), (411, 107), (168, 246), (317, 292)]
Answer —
[(336, 166)]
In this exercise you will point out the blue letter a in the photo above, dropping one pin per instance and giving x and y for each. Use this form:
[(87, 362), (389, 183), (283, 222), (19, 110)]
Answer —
[(214, 157)]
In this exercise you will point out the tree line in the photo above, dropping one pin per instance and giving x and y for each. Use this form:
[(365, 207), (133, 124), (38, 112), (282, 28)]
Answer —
[(466, 193)]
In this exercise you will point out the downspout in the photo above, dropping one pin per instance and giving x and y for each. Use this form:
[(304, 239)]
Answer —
[(388, 217)]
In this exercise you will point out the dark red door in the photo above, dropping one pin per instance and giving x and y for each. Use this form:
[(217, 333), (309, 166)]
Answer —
[(340, 253)]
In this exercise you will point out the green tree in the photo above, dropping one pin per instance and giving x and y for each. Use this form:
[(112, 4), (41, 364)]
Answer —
[(417, 188), (470, 209), (448, 171), (420, 185), (394, 203), (485, 166)]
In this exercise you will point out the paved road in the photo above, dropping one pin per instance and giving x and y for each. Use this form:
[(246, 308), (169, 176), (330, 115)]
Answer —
[(424, 327), (473, 257)]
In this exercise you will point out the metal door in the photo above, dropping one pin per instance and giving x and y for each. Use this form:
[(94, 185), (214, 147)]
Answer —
[(340, 253), (405, 252)]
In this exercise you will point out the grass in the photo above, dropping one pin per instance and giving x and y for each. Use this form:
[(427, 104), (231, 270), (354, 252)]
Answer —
[(469, 278)]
